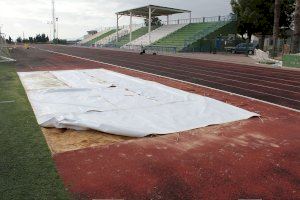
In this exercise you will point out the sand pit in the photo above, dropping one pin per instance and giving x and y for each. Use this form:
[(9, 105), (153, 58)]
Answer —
[(119, 104), (62, 140)]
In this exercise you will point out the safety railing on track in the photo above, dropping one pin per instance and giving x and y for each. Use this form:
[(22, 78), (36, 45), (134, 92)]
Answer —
[(160, 49), (151, 48)]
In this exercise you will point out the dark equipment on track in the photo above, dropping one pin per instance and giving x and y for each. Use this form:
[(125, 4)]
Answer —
[(142, 52)]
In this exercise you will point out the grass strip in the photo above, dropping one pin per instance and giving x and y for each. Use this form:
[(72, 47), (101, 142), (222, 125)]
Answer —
[(27, 170)]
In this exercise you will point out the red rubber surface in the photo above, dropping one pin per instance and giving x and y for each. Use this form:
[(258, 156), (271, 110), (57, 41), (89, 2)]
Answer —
[(251, 159), (273, 85)]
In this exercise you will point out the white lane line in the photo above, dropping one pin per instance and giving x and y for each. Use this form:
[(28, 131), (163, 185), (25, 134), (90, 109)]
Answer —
[(231, 73), (250, 90), (231, 93), (220, 77), (192, 60), (224, 84)]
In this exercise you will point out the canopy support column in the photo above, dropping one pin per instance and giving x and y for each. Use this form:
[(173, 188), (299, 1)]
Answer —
[(117, 28), (168, 20), (190, 17), (149, 24), (130, 27)]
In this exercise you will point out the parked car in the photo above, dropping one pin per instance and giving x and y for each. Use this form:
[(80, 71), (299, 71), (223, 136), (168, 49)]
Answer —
[(243, 48)]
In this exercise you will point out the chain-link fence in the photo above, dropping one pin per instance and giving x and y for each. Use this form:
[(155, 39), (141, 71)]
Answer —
[(231, 43), (283, 47), (4, 51), (224, 43)]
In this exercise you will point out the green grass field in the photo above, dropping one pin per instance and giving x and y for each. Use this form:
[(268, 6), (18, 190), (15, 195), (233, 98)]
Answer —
[(26, 167)]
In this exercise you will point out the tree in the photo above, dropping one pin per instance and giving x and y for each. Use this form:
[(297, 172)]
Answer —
[(276, 25), (286, 20), (41, 38), (38, 38), (246, 15), (155, 21), (257, 16), (25, 40), (9, 40), (31, 40), (59, 41), (19, 39), (296, 34)]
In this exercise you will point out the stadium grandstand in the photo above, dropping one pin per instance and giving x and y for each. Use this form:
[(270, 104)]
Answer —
[(176, 35), (4, 50)]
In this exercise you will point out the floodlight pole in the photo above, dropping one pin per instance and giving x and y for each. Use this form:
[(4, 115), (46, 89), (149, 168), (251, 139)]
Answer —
[(130, 27), (49, 23), (53, 19), (57, 28), (149, 24)]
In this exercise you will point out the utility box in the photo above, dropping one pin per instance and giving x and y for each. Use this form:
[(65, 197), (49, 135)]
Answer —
[(291, 60)]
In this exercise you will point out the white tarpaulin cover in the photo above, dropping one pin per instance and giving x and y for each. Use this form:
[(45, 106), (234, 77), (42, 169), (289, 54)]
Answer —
[(119, 104)]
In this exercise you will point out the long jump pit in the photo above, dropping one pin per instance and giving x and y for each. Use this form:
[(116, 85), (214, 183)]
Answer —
[(118, 104), (121, 134)]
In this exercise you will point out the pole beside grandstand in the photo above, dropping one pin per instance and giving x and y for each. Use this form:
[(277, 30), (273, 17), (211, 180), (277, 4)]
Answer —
[(130, 36), (149, 24), (53, 19)]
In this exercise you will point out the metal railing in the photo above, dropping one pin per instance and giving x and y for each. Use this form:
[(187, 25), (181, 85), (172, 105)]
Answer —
[(113, 38), (202, 20), (202, 33), (151, 48), (121, 33), (133, 47), (222, 19), (229, 17), (4, 51), (160, 49)]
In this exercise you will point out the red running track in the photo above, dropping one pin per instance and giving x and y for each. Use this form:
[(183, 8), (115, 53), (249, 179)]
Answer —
[(276, 86), (251, 159)]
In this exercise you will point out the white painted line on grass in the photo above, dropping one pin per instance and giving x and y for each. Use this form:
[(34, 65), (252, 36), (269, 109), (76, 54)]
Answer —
[(3, 102), (6, 59)]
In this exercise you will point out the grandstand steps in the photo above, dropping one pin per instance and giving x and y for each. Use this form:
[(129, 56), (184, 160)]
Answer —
[(100, 37), (91, 37), (126, 38), (208, 43), (155, 35), (189, 34), (113, 37)]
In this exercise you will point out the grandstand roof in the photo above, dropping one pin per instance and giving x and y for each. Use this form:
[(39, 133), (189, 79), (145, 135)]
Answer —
[(156, 11)]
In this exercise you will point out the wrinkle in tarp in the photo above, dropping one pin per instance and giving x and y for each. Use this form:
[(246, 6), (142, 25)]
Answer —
[(120, 104)]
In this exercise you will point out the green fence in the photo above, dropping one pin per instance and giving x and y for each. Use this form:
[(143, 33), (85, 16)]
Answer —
[(4, 51), (217, 40), (291, 60)]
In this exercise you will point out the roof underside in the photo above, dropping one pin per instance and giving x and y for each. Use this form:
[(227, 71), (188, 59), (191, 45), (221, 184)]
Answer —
[(156, 11)]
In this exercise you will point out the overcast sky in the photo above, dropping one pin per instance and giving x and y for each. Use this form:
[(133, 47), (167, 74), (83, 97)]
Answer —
[(78, 16)]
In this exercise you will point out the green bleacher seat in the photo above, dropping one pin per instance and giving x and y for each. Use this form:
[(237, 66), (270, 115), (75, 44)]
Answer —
[(179, 37)]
